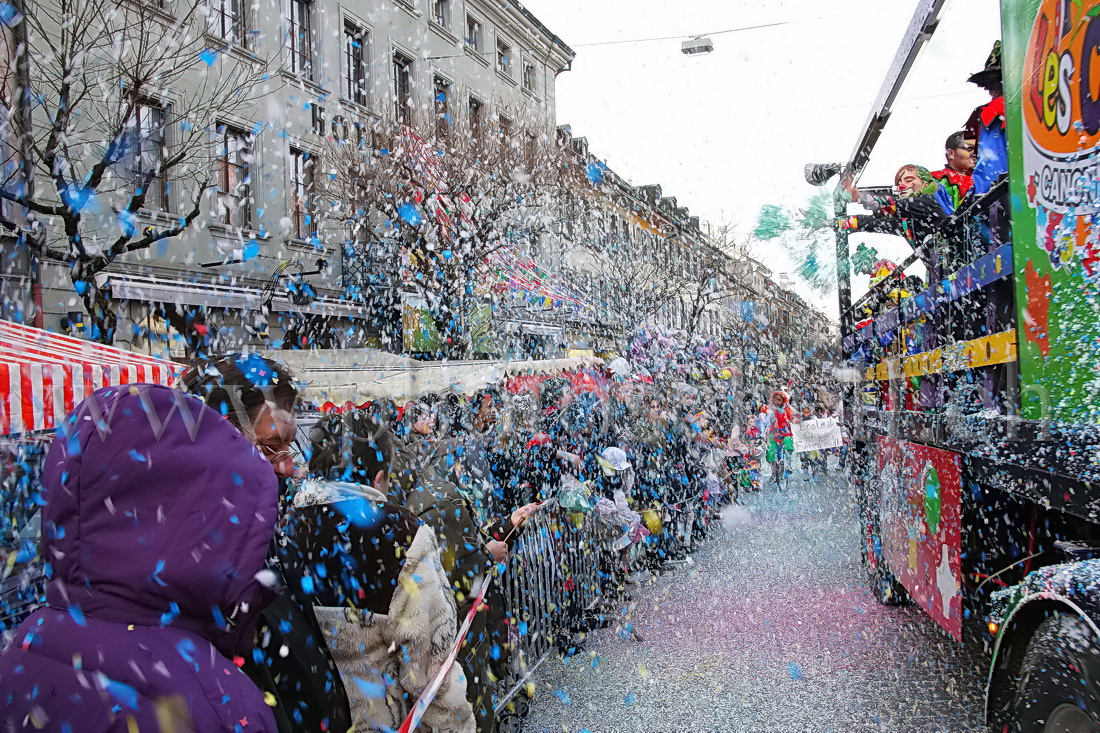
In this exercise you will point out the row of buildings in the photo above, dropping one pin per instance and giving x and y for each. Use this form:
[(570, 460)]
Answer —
[(195, 175)]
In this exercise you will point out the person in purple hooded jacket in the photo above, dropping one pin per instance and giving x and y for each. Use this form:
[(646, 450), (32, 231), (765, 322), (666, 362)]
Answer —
[(290, 662), (157, 519)]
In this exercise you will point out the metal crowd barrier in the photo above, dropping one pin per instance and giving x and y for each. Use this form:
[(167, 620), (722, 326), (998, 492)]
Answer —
[(560, 578), (552, 586)]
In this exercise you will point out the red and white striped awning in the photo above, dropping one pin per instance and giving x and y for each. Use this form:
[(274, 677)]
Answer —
[(44, 375)]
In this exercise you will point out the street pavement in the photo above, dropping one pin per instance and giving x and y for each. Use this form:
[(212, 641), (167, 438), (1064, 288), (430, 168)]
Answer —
[(769, 628)]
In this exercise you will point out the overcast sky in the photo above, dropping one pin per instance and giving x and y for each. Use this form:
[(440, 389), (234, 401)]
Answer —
[(730, 131)]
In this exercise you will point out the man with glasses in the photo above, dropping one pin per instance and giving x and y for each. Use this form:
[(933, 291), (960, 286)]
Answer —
[(956, 179), (257, 396), (291, 661)]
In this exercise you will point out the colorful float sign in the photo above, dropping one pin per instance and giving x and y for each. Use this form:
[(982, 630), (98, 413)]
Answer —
[(920, 524), (1051, 76)]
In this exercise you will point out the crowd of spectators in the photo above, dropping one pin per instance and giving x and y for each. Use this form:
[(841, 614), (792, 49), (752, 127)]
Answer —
[(335, 563)]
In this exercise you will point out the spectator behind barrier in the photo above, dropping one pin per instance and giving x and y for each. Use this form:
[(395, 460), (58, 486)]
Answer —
[(381, 595), (427, 476), (419, 421), (256, 395)]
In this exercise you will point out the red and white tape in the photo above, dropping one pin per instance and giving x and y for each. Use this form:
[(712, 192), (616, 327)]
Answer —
[(431, 690)]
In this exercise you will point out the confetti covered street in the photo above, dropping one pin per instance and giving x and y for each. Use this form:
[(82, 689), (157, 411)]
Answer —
[(769, 628)]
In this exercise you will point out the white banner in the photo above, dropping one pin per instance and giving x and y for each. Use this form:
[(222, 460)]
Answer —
[(817, 434)]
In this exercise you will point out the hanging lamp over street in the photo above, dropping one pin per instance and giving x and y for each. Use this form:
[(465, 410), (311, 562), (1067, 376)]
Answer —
[(697, 45)]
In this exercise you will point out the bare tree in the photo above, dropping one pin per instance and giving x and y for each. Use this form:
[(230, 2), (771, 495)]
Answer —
[(451, 202), (709, 277), (107, 79), (629, 274)]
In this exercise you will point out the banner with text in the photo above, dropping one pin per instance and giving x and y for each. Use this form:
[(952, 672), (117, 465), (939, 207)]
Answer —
[(817, 434)]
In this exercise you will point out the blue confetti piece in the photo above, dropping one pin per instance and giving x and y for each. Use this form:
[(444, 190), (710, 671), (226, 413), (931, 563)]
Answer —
[(794, 671), (155, 577), (77, 197), (250, 251), (563, 696), (124, 694), (523, 628), (127, 223), (137, 457), (208, 56), (410, 215), (9, 15), (630, 699), (170, 615), (219, 617), (255, 370), (77, 615)]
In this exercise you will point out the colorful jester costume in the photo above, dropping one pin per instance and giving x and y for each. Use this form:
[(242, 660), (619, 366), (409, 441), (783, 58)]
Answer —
[(953, 188), (914, 215)]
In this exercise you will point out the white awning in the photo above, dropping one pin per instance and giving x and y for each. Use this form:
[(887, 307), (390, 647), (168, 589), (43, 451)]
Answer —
[(362, 375), (532, 327), (215, 295)]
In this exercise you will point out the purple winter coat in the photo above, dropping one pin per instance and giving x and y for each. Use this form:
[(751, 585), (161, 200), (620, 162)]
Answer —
[(156, 523)]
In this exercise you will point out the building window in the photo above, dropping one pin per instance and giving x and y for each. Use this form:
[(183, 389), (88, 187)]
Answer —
[(476, 117), (504, 58), (531, 152), (301, 38), (402, 87), (505, 128), (142, 155), (355, 62), (529, 81), (227, 20), (442, 90), (441, 13), (303, 193), (234, 160), (474, 34)]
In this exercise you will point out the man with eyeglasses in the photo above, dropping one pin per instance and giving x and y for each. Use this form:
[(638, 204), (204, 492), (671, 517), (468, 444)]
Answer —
[(257, 396), (291, 662), (956, 179)]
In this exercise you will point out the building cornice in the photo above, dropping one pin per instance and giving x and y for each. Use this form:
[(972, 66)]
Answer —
[(514, 17)]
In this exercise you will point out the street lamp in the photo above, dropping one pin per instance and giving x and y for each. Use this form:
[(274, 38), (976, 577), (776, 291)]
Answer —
[(697, 45)]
